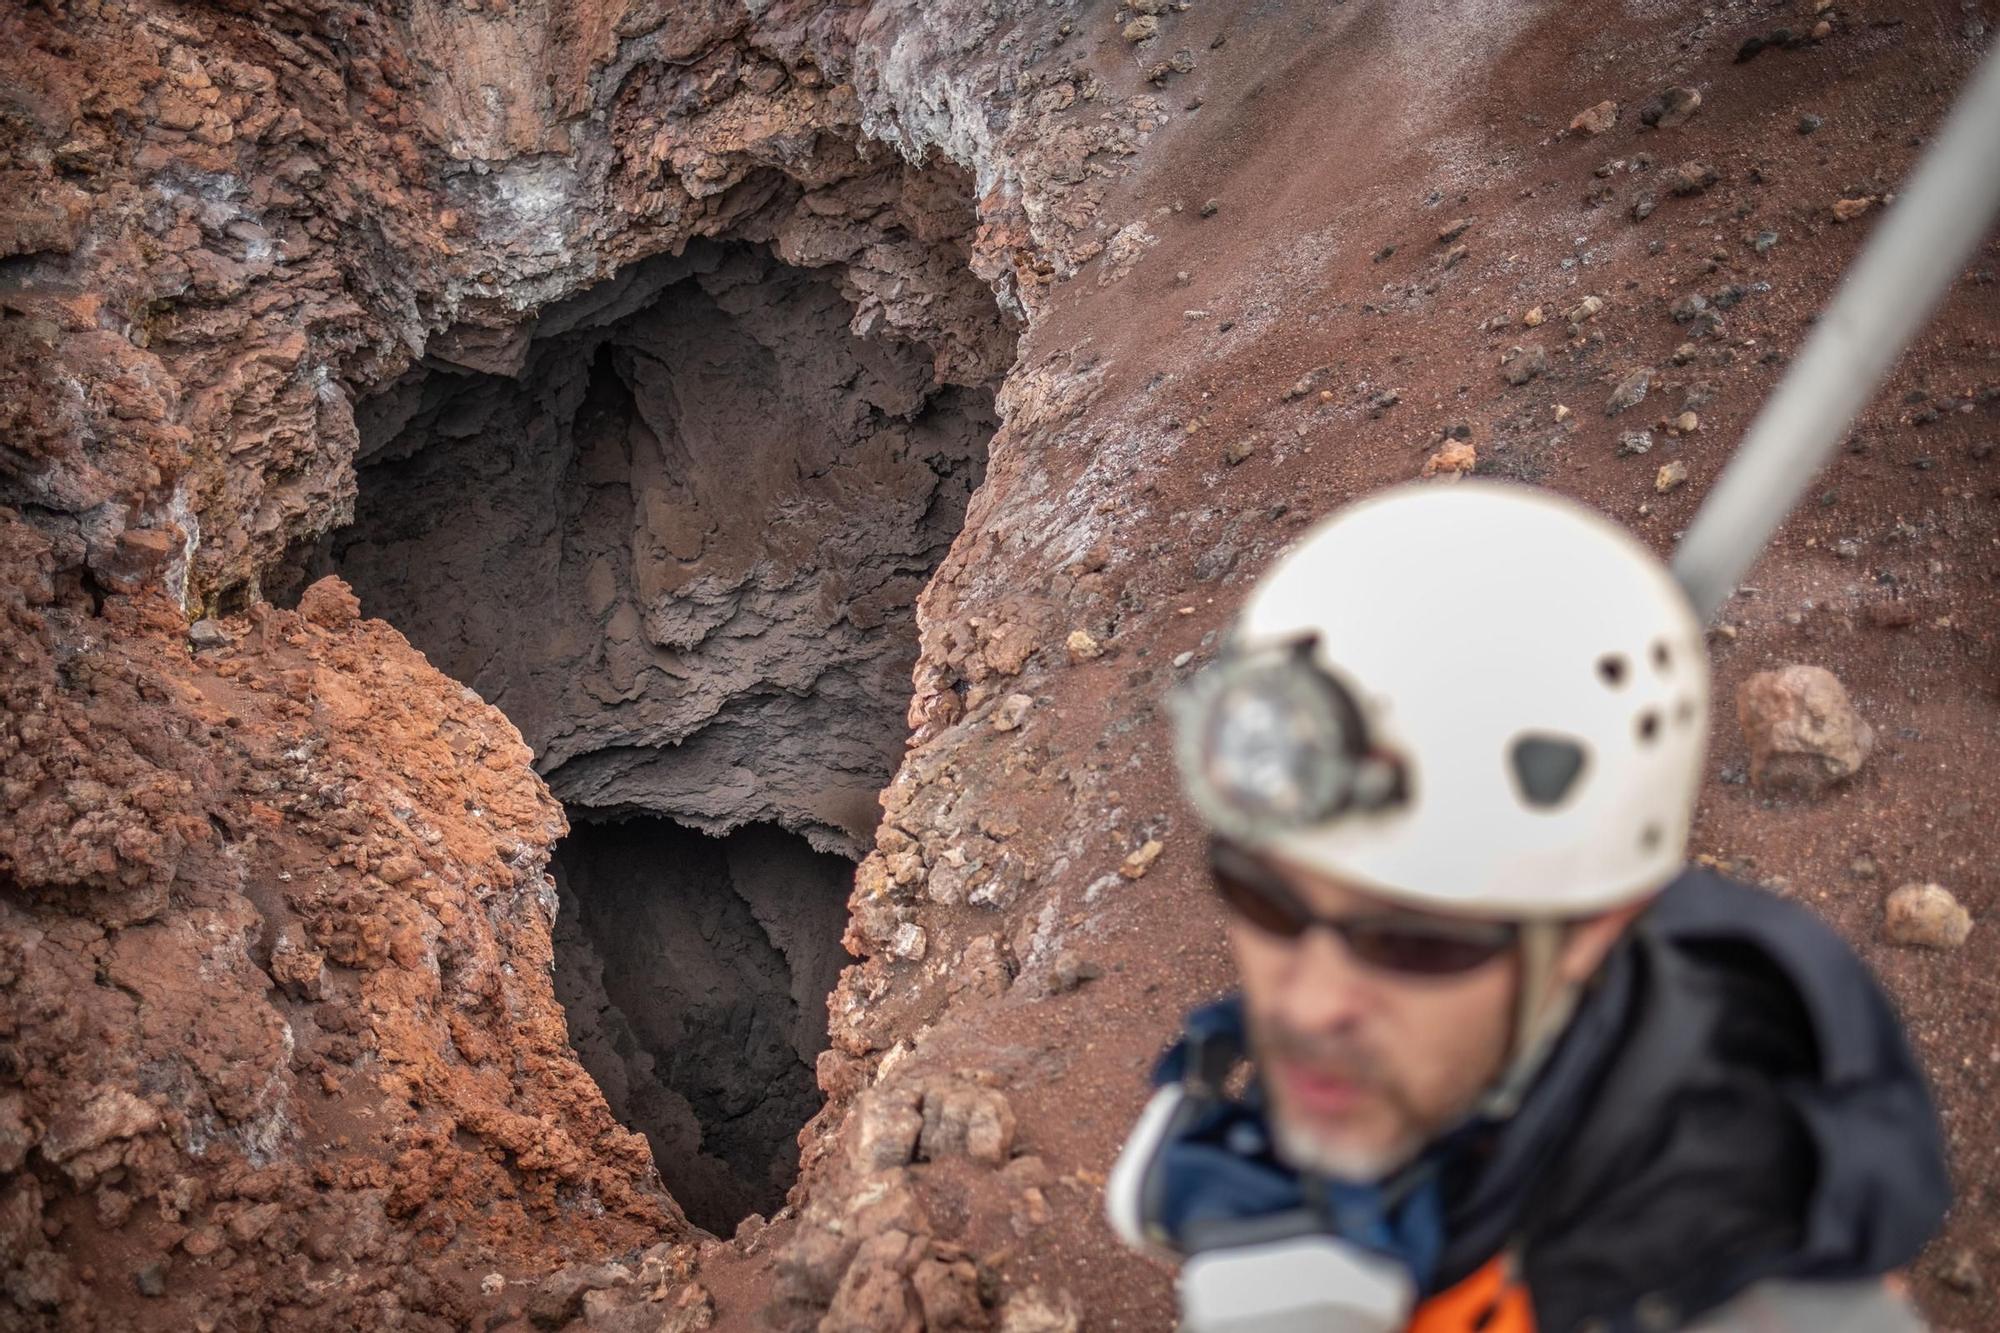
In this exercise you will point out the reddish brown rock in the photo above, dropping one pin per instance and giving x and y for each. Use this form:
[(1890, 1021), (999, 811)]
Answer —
[(1803, 732), (40, 216), (875, 1295), (947, 1288), (1597, 119), (122, 790), (109, 1113), (964, 1119), (330, 604), (1925, 915)]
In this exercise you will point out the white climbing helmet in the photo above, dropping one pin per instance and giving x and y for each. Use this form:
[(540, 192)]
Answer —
[(1482, 698)]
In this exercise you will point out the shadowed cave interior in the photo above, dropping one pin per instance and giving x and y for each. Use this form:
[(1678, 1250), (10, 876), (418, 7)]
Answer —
[(674, 527), (694, 972)]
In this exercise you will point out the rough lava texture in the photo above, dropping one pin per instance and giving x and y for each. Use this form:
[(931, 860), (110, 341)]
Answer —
[(279, 1037), (278, 1042), (680, 543)]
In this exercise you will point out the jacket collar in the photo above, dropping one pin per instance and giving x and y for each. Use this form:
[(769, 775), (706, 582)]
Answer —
[(1734, 1100)]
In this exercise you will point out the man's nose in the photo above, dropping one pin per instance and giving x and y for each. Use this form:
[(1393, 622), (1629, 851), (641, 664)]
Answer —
[(1324, 989)]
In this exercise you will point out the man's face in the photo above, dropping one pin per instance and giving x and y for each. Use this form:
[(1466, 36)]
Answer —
[(1363, 1066)]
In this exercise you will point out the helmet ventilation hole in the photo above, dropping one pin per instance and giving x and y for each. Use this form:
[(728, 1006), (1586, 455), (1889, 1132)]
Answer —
[(1684, 712), (1662, 658), (1611, 667), (1546, 767), (1649, 726), (1649, 837)]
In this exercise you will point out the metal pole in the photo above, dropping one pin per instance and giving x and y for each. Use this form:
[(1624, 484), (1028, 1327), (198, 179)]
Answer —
[(1902, 273)]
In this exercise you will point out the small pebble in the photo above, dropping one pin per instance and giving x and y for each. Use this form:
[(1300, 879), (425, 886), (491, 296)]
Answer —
[(1960, 1272), (1082, 646), (1013, 710), (1597, 119), (1141, 860), (1631, 391), (1671, 108), (1925, 916)]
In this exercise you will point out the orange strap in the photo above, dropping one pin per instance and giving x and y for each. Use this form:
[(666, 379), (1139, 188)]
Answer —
[(1492, 1300)]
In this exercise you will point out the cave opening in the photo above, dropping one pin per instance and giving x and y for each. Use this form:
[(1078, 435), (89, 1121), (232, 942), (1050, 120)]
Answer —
[(674, 527), (694, 972)]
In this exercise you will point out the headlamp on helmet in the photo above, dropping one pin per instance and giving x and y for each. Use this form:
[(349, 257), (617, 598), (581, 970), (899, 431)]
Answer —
[(1269, 742)]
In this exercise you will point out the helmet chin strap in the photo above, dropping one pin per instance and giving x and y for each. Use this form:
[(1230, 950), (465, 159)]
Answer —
[(1542, 1010)]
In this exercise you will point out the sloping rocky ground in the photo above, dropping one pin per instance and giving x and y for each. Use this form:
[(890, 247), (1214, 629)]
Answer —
[(278, 1040)]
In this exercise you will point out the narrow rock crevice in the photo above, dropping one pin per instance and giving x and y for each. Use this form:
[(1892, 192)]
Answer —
[(694, 972)]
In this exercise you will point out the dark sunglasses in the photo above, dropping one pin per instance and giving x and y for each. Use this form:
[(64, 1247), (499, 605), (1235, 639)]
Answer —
[(1391, 942)]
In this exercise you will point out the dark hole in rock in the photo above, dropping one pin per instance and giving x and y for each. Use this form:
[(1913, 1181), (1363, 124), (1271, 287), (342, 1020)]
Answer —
[(675, 528), (676, 535), (694, 971)]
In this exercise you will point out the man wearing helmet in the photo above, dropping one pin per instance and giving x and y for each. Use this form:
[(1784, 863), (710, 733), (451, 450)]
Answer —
[(1501, 1061)]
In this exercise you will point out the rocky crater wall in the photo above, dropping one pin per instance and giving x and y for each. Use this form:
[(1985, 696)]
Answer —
[(279, 1039)]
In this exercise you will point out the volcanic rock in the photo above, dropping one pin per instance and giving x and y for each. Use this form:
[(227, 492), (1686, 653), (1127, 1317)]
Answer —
[(1037, 1311), (1630, 392), (1925, 915), (1012, 712), (1521, 365), (1804, 734), (965, 1119), (1674, 107), (1692, 178), (1453, 461), (1595, 120), (1082, 647)]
